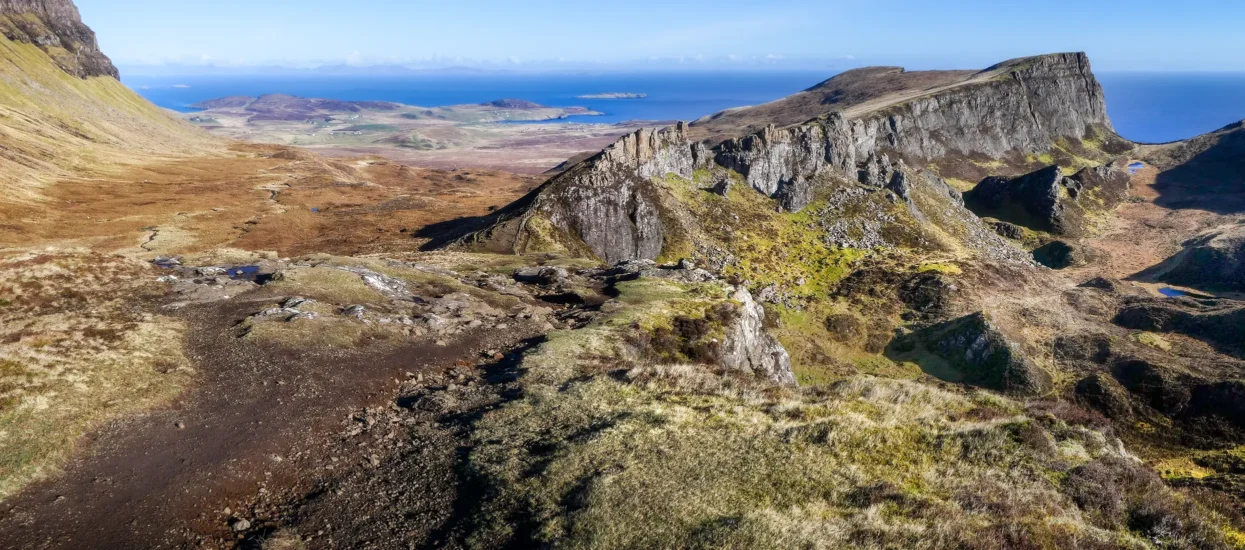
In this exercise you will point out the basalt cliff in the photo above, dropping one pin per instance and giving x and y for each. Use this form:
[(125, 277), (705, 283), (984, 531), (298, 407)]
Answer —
[(1006, 119)]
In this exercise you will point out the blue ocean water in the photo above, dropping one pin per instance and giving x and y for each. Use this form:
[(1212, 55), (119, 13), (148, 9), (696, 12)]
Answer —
[(1146, 107), (671, 96), (1162, 107)]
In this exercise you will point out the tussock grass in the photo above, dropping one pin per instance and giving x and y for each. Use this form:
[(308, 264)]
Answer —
[(326, 284), (77, 348)]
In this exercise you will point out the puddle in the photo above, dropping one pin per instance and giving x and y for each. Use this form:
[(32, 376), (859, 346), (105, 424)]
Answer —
[(316, 210), (1171, 292), (1134, 167), (245, 273)]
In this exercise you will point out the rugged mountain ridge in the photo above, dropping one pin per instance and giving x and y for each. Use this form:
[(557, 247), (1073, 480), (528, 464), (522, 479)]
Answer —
[(1018, 108), (57, 28)]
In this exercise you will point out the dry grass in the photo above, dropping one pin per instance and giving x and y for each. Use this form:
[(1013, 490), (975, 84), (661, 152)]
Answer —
[(78, 347), (327, 284), (57, 125)]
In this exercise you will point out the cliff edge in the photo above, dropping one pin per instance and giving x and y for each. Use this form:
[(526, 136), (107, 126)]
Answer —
[(56, 28)]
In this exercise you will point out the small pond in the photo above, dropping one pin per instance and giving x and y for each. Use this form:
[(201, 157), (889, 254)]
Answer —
[(1171, 292)]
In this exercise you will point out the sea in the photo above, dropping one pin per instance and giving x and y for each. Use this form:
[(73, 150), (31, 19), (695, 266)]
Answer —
[(1149, 107)]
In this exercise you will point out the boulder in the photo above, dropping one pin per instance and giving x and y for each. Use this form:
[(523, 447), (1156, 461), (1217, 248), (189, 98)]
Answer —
[(541, 275), (1059, 255), (1008, 230)]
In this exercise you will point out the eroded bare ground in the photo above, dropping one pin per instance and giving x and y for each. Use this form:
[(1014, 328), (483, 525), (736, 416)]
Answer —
[(293, 396), (1142, 234)]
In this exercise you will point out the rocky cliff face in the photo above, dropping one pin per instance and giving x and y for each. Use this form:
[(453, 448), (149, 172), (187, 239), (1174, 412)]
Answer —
[(56, 27), (1020, 106), (604, 206)]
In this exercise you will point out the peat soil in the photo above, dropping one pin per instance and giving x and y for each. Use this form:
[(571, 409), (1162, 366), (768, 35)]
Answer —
[(260, 424)]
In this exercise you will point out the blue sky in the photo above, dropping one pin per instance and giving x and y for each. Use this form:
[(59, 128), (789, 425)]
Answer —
[(542, 35)]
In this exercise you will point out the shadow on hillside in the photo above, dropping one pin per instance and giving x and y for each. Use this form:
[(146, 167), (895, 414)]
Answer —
[(442, 234), (1213, 180)]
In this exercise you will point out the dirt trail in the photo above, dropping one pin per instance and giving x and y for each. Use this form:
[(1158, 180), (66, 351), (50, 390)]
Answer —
[(256, 417)]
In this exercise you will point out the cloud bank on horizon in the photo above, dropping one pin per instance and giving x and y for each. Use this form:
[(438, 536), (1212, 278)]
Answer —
[(562, 34)]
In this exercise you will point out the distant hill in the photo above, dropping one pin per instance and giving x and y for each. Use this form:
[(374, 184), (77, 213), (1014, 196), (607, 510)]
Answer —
[(514, 104)]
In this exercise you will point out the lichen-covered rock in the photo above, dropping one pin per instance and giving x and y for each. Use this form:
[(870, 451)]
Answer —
[(985, 356), (747, 347), (1214, 260), (56, 27)]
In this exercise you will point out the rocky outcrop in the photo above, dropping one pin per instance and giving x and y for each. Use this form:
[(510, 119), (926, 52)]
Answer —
[(56, 27), (1019, 105), (778, 162), (605, 206), (1215, 260), (1059, 255), (1046, 200), (1102, 393), (985, 356), (748, 348)]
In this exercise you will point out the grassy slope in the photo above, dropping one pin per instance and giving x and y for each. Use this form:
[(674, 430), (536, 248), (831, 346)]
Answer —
[(53, 124), (606, 451)]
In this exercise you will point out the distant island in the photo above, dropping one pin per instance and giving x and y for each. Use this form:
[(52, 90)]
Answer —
[(613, 95)]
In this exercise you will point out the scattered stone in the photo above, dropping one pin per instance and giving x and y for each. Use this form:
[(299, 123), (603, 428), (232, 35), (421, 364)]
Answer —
[(241, 525), (355, 311)]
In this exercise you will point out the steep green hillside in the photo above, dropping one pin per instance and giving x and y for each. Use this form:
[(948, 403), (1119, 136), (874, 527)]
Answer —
[(54, 123)]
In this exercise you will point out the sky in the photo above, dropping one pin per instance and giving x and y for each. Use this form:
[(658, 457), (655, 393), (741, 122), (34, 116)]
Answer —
[(1155, 35)]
